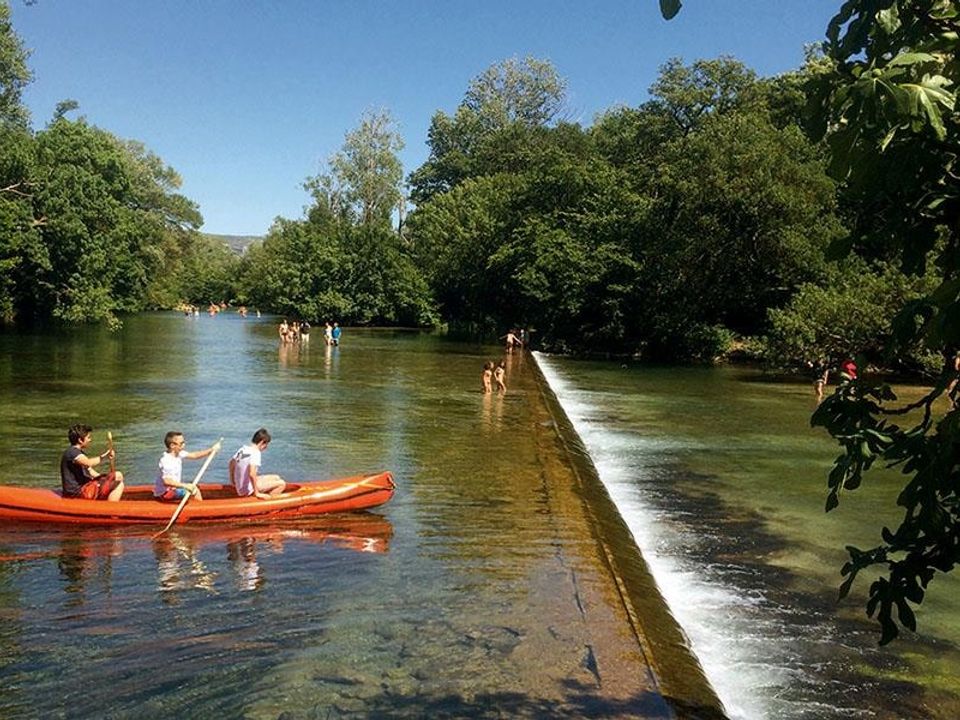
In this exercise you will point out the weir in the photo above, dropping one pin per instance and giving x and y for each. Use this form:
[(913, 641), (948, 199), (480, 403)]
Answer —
[(665, 645)]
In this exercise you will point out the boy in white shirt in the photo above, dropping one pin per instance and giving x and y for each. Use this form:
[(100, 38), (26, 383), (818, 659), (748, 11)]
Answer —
[(245, 469), (169, 485)]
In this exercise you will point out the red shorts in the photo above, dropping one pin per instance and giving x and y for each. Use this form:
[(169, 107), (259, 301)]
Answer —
[(171, 494), (100, 487)]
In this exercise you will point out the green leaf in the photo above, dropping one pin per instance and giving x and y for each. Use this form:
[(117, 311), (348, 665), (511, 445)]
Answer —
[(911, 58), (669, 8), (889, 19), (832, 502)]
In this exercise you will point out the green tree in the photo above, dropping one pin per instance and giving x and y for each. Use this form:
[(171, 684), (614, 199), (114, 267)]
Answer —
[(529, 94), (888, 111), (365, 174), (22, 253), (687, 94), (852, 307), (323, 267), (21, 250), (108, 210), (743, 215), (15, 74)]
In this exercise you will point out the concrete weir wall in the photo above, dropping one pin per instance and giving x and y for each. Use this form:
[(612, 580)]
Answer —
[(664, 645)]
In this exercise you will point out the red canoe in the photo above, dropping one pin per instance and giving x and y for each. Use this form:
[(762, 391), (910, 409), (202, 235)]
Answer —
[(220, 503)]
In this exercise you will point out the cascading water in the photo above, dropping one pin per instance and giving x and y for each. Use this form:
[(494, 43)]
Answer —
[(771, 642)]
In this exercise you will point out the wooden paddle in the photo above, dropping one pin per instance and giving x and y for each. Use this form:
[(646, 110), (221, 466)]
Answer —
[(113, 461), (191, 487)]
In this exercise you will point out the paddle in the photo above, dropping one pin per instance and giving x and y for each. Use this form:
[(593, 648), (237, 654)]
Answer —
[(113, 461), (192, 486)]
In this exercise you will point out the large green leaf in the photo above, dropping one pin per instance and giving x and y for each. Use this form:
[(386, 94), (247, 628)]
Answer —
[(669, 8)]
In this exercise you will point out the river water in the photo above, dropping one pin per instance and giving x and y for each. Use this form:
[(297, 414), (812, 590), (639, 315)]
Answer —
[(501, 581), (722, 483), (493, 585)]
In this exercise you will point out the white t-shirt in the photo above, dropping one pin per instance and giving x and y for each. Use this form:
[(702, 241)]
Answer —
[(245, 457), (170, 466)]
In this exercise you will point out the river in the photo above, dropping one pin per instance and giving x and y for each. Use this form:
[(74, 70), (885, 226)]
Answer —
[(503, 580), (491, 586), (722, 482)]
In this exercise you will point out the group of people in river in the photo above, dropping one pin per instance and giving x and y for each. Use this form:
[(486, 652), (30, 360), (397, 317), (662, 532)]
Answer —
[(213, 309), (494, 373), (298, 331), (80, 479)]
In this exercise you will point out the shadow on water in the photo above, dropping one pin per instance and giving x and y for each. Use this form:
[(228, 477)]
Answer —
[(831, 644), (578, 703)]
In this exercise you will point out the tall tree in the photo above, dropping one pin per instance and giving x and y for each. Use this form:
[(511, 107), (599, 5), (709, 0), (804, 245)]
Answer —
[(690, 93), (527, 94), (15, 75), (365, 175), (528, 91)]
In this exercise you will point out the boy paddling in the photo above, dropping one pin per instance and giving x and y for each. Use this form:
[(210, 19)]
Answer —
[(169, 485), (77, 476)]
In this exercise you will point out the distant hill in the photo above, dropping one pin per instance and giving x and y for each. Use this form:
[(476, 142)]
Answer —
[(237, 243)]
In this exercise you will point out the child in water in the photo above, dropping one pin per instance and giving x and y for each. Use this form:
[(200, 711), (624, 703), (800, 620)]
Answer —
[(487, 376), (498, 376)]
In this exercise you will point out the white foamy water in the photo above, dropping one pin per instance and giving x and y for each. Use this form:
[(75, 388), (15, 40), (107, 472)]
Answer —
[(753, 658)]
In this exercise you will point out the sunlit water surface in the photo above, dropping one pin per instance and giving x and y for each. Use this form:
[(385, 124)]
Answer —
[(478, 591), (722, 483)]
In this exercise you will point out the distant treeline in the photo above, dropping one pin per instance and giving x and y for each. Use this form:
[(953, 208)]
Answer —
[(697, 223)]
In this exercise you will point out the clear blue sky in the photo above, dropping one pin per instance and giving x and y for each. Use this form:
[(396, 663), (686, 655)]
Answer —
[(245, 99)]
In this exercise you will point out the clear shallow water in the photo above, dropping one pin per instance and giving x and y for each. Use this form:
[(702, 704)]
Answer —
[(721, 481), (478, 591)]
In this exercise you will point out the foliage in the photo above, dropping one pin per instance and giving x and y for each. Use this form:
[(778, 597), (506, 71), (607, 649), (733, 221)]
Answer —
[(886, 105), (365, 175), (109, 209), (528, 92), (22, 252), (662, 230), (343, 261), (508, 95), (888, 109), (203, 270), (689, 94), (743, 214), (15, 75), (852, 308), (322, 269)]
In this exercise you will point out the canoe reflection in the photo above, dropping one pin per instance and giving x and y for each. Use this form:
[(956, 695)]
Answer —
[(187, 557), (180, 567)]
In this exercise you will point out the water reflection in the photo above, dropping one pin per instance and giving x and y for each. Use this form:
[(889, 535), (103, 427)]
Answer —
[(81, 563), (242, 555), (179, 568), (492, 411), (186, 559)]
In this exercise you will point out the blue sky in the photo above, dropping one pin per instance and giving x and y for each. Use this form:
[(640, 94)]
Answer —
[(245, 99)]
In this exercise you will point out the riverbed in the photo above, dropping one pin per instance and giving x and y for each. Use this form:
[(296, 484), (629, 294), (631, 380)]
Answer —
[(499, 581)]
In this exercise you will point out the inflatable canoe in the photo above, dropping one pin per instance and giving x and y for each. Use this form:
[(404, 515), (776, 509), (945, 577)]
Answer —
[(220, 503)]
